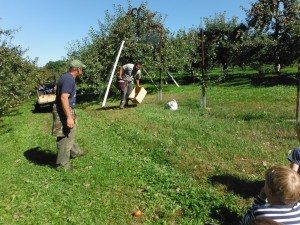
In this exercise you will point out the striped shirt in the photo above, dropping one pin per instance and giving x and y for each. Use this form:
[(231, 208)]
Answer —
[(285, 214)]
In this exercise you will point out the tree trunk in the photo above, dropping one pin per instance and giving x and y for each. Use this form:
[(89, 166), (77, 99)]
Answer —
[(159, 93), (203, 96)]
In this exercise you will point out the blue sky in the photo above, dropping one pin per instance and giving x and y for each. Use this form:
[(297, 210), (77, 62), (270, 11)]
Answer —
[(46, 27)]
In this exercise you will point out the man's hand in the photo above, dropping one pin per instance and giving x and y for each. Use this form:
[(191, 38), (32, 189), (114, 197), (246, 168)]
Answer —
[(70, 122), (121, 73), (66, 107), (137, 84)]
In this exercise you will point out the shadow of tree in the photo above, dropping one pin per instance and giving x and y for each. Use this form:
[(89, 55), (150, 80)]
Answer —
[(244, 188), (41, 157), (265, 80), (268, 81), (225, 216)]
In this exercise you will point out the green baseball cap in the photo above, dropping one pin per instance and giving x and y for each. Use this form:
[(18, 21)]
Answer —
[(75, 63)]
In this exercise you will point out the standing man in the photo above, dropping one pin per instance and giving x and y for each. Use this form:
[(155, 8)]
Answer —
[(64, 116), (127, 74)]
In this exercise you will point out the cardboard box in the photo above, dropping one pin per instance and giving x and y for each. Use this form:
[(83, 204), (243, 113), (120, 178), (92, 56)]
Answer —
[(137, 95)]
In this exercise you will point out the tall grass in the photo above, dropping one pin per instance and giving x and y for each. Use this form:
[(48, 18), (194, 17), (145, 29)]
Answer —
[(189, 166)]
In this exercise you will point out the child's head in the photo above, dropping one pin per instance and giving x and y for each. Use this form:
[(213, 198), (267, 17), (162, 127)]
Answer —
[(282, 185), (297, 129)]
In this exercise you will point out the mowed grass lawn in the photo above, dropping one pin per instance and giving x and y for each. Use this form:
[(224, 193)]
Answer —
[(189, 166)]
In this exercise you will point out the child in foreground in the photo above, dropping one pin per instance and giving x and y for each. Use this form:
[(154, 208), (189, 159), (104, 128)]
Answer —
[(278, 199)]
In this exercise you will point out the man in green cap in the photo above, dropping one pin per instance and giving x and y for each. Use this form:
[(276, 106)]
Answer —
[(64, 116)]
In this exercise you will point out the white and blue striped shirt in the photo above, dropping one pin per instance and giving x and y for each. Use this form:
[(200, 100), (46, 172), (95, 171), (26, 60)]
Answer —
[(285, 214)]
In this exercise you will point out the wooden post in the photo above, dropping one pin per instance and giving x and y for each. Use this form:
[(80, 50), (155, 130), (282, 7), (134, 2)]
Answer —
[(173, 79), (112, 74), (203, 88), (203, 96), (160, 65)]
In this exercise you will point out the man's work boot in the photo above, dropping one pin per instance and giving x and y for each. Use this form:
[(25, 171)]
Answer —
[(83, 153), (66, 167), (122, 104), (126, 104)]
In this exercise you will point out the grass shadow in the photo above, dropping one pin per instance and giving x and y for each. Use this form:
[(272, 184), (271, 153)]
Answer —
[(42, 109), (86, 98), (131, 106), (244, 188), (256, 80), (253, 116), (116, 107), (225, 216), (5, 128), (236, 81), (273, 80), (13, 112), (41, 157)]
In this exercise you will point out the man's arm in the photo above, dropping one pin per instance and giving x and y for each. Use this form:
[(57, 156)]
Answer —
[(137, 78), (294, 167), (137, 83), (66, 108), (121, 73), (258, 201)]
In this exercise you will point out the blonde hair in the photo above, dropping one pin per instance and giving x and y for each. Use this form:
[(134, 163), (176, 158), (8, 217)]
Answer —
[(284, 183)]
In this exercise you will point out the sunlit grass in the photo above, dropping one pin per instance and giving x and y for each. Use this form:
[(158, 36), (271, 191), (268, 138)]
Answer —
[(188, 166)]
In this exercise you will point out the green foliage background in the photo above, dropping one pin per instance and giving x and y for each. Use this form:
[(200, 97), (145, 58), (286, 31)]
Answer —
[(18, 76), (269, 36)]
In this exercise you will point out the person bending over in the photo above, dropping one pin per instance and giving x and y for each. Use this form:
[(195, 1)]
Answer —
[(128, 73)]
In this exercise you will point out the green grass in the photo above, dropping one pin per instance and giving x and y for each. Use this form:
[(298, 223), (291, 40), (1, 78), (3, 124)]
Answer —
[(188, 166)]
